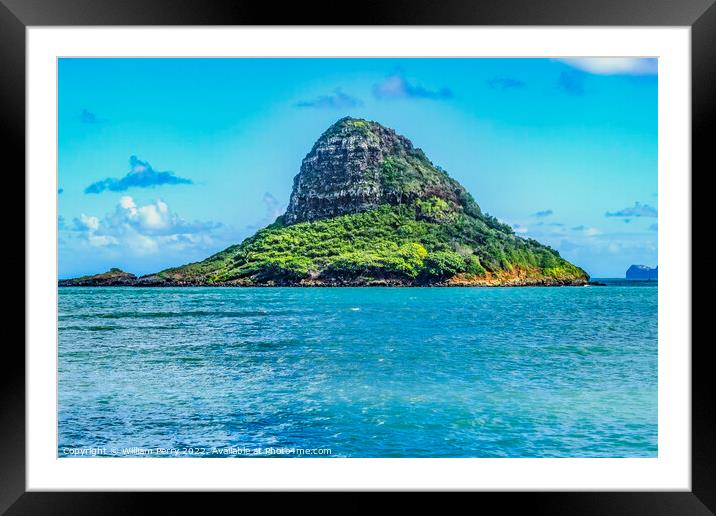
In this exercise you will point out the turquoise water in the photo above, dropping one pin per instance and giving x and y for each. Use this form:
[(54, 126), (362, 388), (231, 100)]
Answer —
[(362, 372)]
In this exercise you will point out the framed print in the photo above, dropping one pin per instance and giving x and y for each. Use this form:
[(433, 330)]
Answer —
[(435, 249)]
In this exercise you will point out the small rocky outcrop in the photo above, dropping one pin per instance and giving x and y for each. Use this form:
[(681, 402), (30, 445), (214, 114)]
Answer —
[(112, 278)]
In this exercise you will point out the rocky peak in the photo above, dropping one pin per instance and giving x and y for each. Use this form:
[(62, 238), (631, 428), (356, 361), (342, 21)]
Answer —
[(357, 165)]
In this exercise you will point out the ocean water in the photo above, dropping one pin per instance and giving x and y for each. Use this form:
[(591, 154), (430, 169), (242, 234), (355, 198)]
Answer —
[(358, 372)]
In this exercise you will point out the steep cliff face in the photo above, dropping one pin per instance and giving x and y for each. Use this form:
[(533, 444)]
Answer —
[(357, 165), (368, 208)]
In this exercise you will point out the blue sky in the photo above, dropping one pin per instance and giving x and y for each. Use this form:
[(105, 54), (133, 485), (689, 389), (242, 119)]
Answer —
[(166, 161)]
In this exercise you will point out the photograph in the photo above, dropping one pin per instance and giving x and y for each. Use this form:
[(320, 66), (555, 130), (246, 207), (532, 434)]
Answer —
[(357, 257)]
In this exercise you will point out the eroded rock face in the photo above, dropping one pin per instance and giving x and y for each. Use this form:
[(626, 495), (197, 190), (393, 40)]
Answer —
[(357, 165)]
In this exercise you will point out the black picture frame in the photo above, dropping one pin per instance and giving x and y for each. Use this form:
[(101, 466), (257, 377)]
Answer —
[(17, 15)]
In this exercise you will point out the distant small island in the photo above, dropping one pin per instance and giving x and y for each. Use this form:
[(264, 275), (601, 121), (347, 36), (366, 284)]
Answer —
[(112, 278), (642, 272), (370, 209)]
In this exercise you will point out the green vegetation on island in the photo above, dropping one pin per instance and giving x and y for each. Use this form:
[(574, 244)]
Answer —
[(390, 244)]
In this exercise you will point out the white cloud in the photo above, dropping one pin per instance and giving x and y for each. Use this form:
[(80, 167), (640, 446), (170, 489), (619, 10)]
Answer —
[(614, 65), (89, 226), (100, 240), (87, 222), (143, 229), (151, 216), (127, 202), (142, 243), (154, 216)]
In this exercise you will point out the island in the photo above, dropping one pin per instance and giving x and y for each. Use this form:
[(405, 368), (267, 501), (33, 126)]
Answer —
[(642, 272), (112, 278), (368, 208)]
